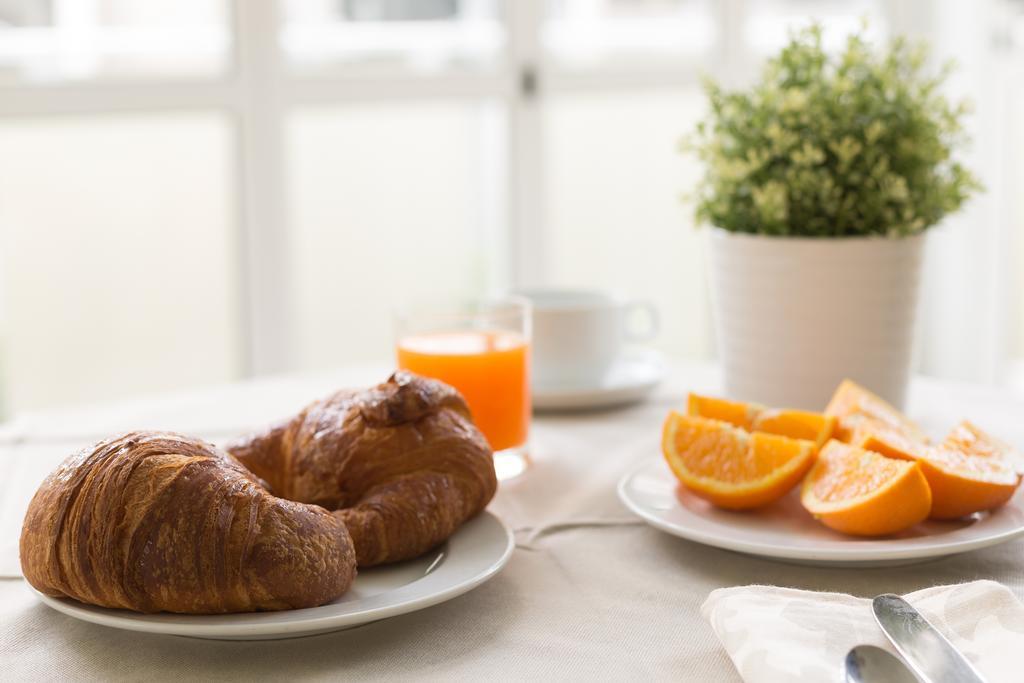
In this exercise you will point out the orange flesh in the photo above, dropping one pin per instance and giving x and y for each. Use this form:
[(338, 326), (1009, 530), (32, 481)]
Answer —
[(967, 473), (967, 438), (983, 468), (853, 474), (885, 476), (796, 424), (730, 454), (863, 493), (729, 466), (971, 440), (887, 441), (859, 411), (715, 450), (966, 449), (733, 412), (753, 417), (772, 450)]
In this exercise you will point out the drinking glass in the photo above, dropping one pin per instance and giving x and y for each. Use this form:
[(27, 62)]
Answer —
[(482, 348)]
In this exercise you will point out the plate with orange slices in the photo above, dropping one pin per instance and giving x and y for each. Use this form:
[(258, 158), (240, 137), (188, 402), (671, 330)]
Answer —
[(858, 484)]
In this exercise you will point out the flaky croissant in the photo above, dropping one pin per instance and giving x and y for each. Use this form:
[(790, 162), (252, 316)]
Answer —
[(401, 463), (160, 522)]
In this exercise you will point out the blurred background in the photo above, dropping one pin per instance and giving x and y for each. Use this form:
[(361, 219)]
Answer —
[(197, 191)]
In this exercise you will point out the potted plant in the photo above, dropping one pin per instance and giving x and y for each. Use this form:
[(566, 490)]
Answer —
[(821, 181)]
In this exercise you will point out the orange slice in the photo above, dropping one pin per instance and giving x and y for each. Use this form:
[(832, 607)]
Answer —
[(969, 439), (733, 412), (730, 467), (858, 411), (880, 438), (964, 484), (968, 472), (863, 493), (796, 424)]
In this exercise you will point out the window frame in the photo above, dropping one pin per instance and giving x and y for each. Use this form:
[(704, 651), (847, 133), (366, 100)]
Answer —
[(258, 90)]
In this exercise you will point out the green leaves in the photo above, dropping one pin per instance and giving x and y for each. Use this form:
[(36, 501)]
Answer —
[(858, 143)]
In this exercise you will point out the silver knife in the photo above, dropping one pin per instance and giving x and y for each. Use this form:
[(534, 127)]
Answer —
[(929, 654)]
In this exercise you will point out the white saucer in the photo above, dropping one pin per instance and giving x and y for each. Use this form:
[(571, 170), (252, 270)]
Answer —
[(785, 531), (474, 554), (631, 379)]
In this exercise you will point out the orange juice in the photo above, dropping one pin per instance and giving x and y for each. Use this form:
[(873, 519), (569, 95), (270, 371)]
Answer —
[(489, 368)]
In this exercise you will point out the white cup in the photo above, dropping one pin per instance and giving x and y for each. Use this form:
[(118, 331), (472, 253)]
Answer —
[(579, 334)]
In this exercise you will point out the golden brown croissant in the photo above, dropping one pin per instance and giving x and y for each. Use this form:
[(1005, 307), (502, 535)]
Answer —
[(160, 522), (402, 463)]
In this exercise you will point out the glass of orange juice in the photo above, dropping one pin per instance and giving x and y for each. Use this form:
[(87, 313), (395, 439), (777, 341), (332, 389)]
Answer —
[(482, 348)]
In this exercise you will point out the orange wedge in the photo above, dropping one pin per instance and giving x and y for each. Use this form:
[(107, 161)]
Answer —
[(968, 472), (863, 493), (858, 412), (964, 484), (884, 439), (733, 412), (969, 439), (796, 424), (730, 467)]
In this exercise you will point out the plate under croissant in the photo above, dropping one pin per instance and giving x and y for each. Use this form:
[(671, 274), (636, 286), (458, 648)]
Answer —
[(784, 530), (471, 556)]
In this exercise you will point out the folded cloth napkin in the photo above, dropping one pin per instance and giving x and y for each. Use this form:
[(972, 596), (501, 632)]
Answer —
[(782, 634)]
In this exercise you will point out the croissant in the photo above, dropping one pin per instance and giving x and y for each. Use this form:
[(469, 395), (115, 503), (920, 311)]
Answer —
[(402, 464), (160, 522)]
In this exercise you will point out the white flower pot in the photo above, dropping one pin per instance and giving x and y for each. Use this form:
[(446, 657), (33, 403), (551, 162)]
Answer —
[(794, 316)]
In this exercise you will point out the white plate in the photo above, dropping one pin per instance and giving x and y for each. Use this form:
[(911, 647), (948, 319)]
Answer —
[(631, 379), (474, 554), (785, 531)]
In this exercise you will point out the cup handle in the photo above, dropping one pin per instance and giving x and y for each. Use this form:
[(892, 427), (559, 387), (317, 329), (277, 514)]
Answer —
[(650, 331)]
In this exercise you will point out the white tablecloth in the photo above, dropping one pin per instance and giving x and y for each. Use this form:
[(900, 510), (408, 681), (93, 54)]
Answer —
[(588, 602)]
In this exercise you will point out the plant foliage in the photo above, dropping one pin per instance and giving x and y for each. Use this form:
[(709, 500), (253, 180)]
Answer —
[(851, 144)]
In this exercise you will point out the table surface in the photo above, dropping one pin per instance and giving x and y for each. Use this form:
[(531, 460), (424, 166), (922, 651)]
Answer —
[(612, 602)]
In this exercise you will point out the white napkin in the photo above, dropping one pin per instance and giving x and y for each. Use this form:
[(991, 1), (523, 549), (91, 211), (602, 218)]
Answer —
[(782, 634)]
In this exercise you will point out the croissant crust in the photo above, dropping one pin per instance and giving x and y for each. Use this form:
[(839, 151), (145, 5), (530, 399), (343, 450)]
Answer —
[(402, 464), (153, 521), (161, 522)]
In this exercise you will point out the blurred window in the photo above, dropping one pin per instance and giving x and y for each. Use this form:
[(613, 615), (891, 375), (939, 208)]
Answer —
[(389, 202), (424, 36), (769, 22), (277, 174), (1010, 43), (119, 256), (614, 218), (55, 41), (609, 33)]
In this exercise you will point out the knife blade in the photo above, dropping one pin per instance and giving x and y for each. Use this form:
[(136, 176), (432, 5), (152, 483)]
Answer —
[(929, 654)]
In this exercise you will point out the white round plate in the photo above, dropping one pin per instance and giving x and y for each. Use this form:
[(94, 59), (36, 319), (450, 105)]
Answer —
[(474, 554), (785, 531), (631, 379)]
